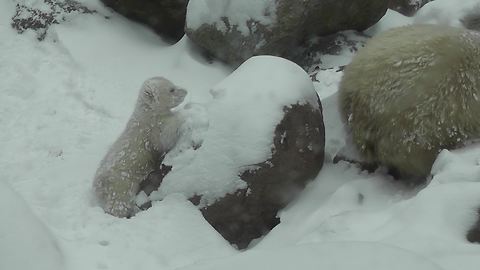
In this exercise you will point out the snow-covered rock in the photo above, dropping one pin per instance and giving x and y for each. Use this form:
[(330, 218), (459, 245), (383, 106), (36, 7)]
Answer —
[(25, 242), (260, 141), (327, 52), (234, 30)]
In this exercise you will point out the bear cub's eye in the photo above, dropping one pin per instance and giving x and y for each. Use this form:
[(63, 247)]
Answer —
[(172, 90), (149, 94)]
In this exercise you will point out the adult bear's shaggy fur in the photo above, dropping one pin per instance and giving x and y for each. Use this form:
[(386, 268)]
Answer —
[(411, 92), (150, 132)]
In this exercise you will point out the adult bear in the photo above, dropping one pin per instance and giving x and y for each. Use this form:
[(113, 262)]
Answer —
[(411, 92)]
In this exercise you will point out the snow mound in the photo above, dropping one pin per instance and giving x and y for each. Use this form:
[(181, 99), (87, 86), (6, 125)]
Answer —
[(201, 12), (238, 127), (332, 256), (461, 165), (22, 235), (445, 12), (391, 20)]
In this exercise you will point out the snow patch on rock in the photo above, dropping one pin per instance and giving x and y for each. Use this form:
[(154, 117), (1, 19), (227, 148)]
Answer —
[(201, 12), (238, 127)]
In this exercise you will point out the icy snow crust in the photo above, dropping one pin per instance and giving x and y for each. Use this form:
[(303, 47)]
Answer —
[(64, 101), (213, 12), (240, 121)]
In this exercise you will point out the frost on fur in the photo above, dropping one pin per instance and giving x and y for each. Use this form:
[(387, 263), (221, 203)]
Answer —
[(411, 92), (151, 131)]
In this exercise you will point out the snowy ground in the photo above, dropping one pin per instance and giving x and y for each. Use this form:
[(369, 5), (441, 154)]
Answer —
[(63, 101)]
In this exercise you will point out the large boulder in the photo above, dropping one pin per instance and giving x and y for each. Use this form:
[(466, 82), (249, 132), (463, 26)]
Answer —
[(411, 92), (166, 17), (297, 156), (233, 31), (326, 17), (261, 142)]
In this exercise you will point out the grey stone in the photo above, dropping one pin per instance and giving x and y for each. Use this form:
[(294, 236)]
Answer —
[(330, 16), (166, 17), (297, 157), (292, 24)]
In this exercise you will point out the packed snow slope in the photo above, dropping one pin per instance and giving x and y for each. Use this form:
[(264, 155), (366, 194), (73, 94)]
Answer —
[(63, 102)]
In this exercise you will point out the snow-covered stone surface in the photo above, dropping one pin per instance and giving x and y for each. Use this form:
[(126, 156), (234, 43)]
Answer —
[(213, 11), (233, 31), (64, 101), (240, 122)]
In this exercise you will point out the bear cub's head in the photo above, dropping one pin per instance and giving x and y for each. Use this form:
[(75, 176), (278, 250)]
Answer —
[(160, 93)]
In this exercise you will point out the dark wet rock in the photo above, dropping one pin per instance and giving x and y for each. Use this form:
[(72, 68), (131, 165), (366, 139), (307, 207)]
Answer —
[(166, 17), (314, 52), (330, 16), (152, 182), (473, 234), (297, 157), (290, 25), (228, 43)]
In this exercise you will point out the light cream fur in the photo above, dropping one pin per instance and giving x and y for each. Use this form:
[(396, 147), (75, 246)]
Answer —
[(411, 92), (151, 131)]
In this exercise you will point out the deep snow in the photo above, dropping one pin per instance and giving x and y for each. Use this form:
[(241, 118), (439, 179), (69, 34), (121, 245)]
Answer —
[(63, 101)]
